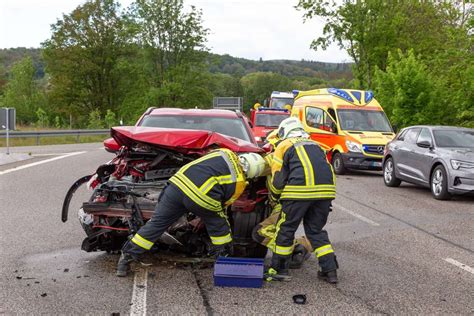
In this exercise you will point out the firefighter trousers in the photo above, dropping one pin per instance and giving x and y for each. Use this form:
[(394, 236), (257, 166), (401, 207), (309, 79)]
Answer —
[(265, 232), (314, 214), (173, 204)]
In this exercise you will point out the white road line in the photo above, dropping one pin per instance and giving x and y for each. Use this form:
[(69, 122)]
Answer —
[(362, 218), (138, 307), (41, 162), (460, 265)]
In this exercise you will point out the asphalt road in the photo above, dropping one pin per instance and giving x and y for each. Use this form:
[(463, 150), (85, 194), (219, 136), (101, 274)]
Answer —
[(400, 252)]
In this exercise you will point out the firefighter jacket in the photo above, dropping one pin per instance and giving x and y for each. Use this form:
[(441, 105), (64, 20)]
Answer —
[(300, 170), (213, 181)]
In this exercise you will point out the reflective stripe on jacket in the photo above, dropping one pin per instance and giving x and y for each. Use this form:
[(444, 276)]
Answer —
[(213, 181), (300, 170)]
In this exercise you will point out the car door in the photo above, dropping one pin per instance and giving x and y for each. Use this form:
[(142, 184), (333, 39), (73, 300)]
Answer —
[(320, 126), (423, 156), (405, 157)]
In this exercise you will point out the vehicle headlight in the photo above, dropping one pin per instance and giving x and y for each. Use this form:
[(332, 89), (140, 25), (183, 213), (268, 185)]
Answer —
[(456, 164), (353, 146)]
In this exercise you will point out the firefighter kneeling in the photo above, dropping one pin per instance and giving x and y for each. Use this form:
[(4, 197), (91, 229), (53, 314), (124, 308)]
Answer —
[(304, 182), (204, 187)]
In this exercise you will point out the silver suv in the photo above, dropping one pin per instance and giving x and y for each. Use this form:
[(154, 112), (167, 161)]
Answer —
[(439, 157)]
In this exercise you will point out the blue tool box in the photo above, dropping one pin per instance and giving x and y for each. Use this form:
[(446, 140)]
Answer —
[(238, 272)]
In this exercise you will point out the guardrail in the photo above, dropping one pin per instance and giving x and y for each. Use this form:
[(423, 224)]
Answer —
[(38, 134)]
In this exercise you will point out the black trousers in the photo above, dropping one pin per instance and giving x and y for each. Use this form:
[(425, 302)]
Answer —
[(173, 204), (314, 214)]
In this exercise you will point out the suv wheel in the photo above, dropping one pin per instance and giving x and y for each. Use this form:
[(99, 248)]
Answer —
[(338, 164), (389, 177), (439, 184)]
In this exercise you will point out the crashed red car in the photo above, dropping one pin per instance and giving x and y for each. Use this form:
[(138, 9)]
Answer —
[(126, 189)]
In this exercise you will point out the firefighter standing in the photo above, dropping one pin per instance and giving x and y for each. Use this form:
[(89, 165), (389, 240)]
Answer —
[(304, 182), (203, 187)]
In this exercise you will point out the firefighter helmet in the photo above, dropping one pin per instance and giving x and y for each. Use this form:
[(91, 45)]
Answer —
[(253, 164), (288, 125)]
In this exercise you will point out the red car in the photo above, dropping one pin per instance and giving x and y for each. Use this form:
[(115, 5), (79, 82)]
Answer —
[(264, 120), (233, 124), (126, 189)]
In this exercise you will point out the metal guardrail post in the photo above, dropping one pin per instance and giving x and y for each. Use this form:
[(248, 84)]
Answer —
[(37, 139)]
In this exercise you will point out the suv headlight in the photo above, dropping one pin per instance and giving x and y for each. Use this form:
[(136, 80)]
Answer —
[(456, 164), (353, 146)]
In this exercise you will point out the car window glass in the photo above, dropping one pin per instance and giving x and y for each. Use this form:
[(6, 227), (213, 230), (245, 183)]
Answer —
[(227, 126), (411, 135), (425, 136), (402, 135), (314, 117)]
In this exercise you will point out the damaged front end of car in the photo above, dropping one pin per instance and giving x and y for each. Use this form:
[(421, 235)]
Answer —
[(126, 190)]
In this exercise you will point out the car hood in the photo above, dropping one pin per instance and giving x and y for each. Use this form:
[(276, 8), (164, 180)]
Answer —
[(464, 154), (180, 140), (371, 138)]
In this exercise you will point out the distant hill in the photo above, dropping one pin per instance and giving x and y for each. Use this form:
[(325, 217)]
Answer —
[(217, 64)]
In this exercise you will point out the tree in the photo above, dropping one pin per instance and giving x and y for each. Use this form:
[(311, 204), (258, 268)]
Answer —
[(259, 85), (22, 93), (369, 29), (173, 42), (82, 57), (406, 90)]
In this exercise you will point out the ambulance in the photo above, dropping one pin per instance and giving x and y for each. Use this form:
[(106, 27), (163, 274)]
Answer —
[(351, 122)]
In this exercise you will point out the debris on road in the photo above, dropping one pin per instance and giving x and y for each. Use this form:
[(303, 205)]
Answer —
[(66, 270), (299, 299), (44, 294)]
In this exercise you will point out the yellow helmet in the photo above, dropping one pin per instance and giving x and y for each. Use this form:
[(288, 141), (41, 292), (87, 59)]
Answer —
[(253, 164)]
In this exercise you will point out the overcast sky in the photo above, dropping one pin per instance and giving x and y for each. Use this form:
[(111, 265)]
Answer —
[(271, 29)]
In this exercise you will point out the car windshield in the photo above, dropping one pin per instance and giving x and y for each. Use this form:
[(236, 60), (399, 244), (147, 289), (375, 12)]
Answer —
[(279, 103), (228, 126), (270, 120), (454, 138), (363, 121)]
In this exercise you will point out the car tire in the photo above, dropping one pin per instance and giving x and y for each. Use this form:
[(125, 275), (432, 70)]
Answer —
[(244, 245), (439, 183), (338, 164), (389, 177)]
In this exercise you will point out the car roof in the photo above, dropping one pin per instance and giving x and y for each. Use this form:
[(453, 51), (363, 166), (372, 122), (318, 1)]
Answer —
[(194, 112), (440, 127)]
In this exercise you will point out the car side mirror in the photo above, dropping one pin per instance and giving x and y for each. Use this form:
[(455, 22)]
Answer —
[(424, 144), (395, 128)]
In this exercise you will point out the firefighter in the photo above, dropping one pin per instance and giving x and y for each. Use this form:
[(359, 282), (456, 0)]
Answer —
[(264, 232), (204, 187), (304, 182)]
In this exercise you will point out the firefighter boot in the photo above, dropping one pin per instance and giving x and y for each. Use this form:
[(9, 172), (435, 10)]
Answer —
[(299, 255), (123, 265), (225, 250), (278, 270), (328, 276)]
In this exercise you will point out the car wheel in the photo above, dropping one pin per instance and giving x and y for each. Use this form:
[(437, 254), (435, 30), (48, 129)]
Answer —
[(389, 177), (439, 184), (244, 245), (338, 164)]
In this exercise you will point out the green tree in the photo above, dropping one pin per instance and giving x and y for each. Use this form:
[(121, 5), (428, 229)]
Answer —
[(42, 118), (22, 93), (110, 119), (172, 40), (406, 90), (82, 57), (259, 85), (95, 121)]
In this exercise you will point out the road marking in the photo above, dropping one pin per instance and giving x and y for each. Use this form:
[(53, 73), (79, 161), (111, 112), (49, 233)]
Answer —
[(460, 265), (139, 293), (362, 218), (41, 162)]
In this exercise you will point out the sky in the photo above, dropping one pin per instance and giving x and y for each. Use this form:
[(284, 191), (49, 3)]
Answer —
[(253, 29)]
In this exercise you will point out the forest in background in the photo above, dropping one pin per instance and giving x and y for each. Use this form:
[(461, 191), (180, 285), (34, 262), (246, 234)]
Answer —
[(104, 63)]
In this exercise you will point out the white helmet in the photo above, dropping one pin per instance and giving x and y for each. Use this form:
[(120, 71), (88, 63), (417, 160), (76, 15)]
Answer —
[(253, 164), (288, 125)]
